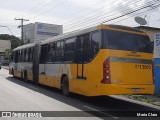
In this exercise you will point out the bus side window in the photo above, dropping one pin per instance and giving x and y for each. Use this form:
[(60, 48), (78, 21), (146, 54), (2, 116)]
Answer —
[(59, 51), (95, 43), (21, 55), (83, 48), (27, 56), (24, 56), (31, 54), (16, 56), (44, 52), (69, 50), (11, 57), (51, 53)]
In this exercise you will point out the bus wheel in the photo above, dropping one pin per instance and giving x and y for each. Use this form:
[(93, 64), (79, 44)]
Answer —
[(13, 73), (65, 86), (25, 76)]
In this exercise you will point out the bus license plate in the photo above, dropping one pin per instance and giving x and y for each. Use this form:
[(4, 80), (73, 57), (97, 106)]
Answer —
[(135, 90)]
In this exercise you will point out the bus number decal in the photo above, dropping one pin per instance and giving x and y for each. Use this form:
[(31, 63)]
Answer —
[(139, 66)]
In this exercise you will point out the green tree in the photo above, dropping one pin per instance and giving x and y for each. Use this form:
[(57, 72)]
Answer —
[(15, 41), (7, 53)]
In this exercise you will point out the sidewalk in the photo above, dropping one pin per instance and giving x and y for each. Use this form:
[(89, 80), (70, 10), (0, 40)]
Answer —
[(151, 99), (147, 100), (5, 67)]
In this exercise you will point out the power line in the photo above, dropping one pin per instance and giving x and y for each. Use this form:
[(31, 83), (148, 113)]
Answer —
[(94, 18), (7, 28), (81, 11), (129, 13), (55, 6), (94, 11), (29, 11), (145, 6)]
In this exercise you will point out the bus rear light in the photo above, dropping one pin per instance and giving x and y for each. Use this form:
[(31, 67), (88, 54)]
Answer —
[(107, 77), (106, 65), (106, 72)]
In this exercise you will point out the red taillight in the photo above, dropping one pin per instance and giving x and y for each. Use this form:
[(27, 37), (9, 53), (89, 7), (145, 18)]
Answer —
[(106, 72)]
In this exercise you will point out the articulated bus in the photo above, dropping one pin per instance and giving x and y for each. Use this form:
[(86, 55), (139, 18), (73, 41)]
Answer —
[(98, 61)]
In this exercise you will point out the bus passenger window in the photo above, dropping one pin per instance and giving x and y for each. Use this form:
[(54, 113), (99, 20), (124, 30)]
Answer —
[(69, 51), (51, 53), (95, 43), (31, 54), (27, 55), (83, 48), (16, 56), (43, 53), (59, 51)]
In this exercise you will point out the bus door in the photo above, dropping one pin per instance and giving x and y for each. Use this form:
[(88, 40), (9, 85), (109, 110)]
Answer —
[(82, 55)]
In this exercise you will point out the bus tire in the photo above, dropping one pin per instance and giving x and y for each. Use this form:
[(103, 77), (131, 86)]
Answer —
[(13, 72), (25, 76), (65, 86)]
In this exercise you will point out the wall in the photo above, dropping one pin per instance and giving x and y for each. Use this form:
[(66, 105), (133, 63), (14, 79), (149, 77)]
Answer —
[(4, 44)]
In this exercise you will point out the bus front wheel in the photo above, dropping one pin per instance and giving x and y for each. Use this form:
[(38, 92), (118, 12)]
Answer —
[(65, 86)]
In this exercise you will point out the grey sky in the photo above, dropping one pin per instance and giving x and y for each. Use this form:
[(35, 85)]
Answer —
[(74, 14)]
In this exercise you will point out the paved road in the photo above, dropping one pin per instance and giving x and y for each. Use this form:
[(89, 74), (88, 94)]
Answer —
[(17, 95)]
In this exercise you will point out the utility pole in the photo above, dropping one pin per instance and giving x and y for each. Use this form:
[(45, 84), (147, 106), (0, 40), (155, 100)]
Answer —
[(21, 19)]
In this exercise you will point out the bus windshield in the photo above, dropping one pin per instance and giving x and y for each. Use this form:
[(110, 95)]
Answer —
[(126, 41)]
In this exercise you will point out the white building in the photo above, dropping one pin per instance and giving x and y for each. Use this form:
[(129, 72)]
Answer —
[(4, 44), (37, 31), (151, 32)]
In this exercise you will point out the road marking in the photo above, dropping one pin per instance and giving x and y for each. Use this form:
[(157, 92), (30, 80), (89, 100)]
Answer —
[(102, 112)]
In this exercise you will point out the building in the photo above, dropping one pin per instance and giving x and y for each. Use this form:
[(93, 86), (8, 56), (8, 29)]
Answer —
[(4, 44), (151, 32), (35, 32)]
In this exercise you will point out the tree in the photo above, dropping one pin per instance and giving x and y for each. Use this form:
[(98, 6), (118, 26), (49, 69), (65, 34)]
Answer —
[(7, 53), (15, 41)]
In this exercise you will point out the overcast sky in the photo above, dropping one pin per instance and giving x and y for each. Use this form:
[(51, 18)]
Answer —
[(76, 14)]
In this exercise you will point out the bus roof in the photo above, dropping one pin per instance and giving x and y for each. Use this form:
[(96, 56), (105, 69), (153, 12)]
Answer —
[(79, 32), (102, 26), (24, 46)]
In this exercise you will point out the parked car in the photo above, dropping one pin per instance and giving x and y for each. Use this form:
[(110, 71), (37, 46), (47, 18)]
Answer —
[(5, 62)]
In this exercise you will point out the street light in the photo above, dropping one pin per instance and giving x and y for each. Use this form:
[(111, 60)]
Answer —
[(7, 28)]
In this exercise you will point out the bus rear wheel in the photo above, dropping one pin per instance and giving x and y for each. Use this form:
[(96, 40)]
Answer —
[(65, 86), (13, 73)]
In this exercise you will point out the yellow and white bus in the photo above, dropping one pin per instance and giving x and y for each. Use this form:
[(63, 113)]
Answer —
[(101, 60)]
